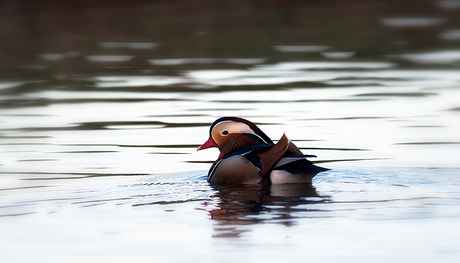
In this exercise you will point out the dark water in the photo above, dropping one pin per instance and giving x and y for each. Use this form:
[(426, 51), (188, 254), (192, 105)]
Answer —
[(103, 106)]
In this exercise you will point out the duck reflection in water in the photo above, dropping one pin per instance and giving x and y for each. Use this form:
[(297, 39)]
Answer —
[(243, 205)]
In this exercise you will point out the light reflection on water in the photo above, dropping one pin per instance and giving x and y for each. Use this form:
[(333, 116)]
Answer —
[(384, 212), (115, 163)]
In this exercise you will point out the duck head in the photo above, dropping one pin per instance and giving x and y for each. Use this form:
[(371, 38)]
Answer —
[(231, 133)]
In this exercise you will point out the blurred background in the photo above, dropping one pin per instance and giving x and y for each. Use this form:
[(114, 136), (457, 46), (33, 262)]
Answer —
[(46, 37)]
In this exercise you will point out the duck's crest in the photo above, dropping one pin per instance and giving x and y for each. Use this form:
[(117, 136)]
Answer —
[(250, 124)]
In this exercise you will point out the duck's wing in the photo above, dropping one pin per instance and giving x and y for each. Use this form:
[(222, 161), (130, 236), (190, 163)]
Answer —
[(294, 149), (282, 153), (270, 157)]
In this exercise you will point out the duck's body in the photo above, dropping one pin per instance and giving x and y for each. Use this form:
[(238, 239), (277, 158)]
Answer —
[(248, 156)]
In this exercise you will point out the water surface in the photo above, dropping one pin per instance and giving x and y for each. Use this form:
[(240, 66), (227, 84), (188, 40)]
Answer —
[(98, 157)]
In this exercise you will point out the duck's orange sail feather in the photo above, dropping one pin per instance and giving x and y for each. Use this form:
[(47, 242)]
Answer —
[(270, 157)]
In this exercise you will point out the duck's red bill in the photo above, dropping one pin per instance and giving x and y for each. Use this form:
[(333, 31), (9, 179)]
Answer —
[(208, 144)]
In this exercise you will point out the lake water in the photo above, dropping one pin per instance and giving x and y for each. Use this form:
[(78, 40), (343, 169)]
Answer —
[(101, 165)]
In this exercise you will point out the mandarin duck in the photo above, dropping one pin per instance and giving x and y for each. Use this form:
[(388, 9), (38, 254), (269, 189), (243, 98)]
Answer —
[(249, 156)]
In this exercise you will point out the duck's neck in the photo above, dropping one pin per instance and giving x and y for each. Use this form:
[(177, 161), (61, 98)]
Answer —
[(237, 141)]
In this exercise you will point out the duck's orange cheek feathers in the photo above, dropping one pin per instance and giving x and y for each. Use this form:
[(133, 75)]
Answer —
[(208, 144)]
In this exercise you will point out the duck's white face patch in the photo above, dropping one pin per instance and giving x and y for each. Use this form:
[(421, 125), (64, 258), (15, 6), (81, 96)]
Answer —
[(225, 128)]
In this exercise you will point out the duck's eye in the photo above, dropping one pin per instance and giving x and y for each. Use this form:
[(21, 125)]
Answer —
[(225, 132)]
